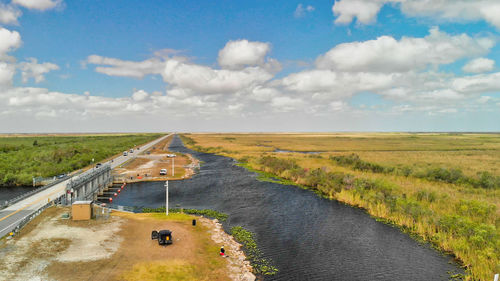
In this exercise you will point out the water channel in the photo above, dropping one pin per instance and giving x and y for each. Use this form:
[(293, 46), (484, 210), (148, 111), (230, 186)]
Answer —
[(11, 192), (307, 237)]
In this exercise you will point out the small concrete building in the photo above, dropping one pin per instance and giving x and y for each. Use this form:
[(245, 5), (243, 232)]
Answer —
[(81, 210)]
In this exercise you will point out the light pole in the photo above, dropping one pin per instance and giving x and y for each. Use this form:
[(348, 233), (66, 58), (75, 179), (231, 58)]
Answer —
[(166, 200)]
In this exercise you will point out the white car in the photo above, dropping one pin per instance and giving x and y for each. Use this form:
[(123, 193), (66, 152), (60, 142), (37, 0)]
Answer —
[(125, 153), (163, 172)]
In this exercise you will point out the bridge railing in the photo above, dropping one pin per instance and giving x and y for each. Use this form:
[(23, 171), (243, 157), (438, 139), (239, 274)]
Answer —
[(20, 224), (14, 200)]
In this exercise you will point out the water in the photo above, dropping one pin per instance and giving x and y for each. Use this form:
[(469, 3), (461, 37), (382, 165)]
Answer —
[(10, 192), (293, 151), (307, 237)]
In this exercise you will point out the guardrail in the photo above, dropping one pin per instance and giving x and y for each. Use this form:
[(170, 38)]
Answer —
[(16, 227), (14, 200)]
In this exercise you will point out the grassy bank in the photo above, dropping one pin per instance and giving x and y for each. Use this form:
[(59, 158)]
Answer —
[(446, 193), (22, 158)]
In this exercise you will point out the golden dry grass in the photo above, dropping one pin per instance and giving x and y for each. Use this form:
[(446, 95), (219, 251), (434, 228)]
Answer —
[(471, 153)]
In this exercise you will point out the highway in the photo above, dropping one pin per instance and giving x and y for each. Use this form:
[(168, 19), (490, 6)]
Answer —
[(12, 215)]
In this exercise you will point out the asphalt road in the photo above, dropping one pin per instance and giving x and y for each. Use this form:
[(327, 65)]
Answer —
[(12, 215)]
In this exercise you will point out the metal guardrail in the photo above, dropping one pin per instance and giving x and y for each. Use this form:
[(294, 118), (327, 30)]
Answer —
[(18, 226), (88, 176), (14, 200), (120, 208)]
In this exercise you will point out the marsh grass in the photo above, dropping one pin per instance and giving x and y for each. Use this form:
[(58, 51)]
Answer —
[(457, 218)]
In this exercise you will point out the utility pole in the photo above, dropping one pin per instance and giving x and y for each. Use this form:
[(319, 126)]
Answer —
[(166, 200)]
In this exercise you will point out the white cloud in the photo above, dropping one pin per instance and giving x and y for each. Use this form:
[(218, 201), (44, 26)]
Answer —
[(337, 105), (386, 54), (35, 70), (117, 67), (481, 83), (140, 95), (449, 10), (364, 10), (241, 53), (301, 11), (479, 65), (7, 71), (203, 79), (9, 40), (285, 104), (41, 5), (9, 14), (336, 84), (263, 94)]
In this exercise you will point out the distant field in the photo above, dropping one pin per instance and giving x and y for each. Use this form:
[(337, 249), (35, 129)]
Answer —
[(25, 157), (444, 188)]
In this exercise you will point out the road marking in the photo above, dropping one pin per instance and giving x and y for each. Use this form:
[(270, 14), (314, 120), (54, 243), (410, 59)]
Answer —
[(29, 205)]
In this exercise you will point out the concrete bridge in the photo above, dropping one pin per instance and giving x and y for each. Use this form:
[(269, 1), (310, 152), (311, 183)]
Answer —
[(88, 186), (85, 186)]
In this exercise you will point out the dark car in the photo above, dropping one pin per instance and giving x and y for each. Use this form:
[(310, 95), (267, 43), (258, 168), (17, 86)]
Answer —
[(98, 165), (164, 237)]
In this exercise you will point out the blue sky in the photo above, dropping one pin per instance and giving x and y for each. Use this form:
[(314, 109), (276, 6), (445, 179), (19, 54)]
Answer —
[(349, 65)]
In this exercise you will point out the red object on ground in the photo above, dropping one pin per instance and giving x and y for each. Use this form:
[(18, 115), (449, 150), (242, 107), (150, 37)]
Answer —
[(139, 177), (116, 194), (110, 199), (221, 254), (119, 190)]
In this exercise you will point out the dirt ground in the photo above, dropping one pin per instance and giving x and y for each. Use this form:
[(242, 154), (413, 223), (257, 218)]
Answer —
[(119, 248), (147, 165)]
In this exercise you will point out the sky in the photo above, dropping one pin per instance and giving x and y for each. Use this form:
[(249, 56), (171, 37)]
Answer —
[(249, 66)]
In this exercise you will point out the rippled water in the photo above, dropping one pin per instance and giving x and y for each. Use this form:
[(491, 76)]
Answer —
[(10, 192), (307, 237)]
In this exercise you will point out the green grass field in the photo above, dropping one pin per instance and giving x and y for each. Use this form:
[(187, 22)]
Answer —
[(25, 157), (441, 188)]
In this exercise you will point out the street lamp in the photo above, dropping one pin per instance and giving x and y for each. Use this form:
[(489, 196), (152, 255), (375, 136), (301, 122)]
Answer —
[(166, 199)]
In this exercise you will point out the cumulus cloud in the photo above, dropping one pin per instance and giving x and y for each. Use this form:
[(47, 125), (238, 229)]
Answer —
[(481, 83), (241, 53), (203, 79), (140, 95), (301, 11), (365, 11), (7, 71), (35, 70), (479, 65), (336, 84), (286, 104), (9, 40), (9, 14), (386, 54), (40, 5)]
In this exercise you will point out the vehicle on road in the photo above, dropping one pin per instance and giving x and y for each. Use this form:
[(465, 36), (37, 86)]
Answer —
[(98, 165), (125, 153), (163, 172), (131, 151), (170, 155)]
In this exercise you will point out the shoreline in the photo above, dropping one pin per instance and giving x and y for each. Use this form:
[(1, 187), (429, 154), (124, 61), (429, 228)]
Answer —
[(238, 266)]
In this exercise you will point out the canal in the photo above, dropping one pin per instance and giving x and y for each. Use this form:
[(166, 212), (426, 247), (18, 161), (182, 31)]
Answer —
[(307, 237)]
